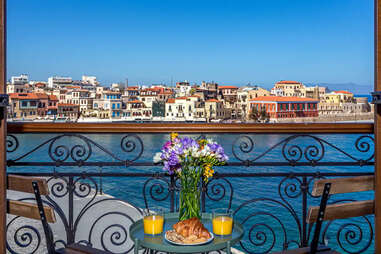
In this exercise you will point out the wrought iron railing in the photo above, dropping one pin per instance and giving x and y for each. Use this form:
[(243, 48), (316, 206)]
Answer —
[(271, 204)]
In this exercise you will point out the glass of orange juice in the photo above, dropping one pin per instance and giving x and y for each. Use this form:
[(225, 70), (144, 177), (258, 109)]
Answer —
[(153, 221), (222, 221)]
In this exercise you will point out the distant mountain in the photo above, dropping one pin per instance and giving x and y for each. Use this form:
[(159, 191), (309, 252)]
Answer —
[(351, 87)]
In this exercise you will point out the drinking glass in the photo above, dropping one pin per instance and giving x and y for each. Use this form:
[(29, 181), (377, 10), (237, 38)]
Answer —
[(222, 222), (153, 221)]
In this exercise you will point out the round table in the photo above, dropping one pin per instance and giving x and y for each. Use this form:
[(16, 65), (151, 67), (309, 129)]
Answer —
[(158, 242)]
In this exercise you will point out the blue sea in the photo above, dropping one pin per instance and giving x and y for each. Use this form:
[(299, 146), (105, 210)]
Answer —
[(271, 209)]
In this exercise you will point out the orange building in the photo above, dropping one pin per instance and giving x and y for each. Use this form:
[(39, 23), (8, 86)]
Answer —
[(286, 107)]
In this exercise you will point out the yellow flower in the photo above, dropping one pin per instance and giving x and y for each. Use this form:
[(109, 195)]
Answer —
[(208, 172), (174, 135)]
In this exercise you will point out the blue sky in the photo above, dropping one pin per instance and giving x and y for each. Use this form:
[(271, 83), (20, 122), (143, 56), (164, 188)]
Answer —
[(231, 42)]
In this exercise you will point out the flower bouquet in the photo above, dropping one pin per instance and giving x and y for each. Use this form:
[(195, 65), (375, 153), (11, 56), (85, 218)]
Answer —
[(191, 160)]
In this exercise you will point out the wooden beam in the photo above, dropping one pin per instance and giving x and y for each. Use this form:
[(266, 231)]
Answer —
[(287, 128), (24, 184), (29, 210), (342, 210), (377, 123), (344, 185), (3, 129)]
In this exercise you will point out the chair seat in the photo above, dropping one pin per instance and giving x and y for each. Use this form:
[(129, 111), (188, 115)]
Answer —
[(306, 250), (76, 248)]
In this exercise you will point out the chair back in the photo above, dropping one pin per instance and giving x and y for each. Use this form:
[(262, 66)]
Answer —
[(326, 187), (38, 211)]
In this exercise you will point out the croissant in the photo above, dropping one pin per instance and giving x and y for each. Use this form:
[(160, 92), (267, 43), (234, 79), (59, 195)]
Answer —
[(190, 227)]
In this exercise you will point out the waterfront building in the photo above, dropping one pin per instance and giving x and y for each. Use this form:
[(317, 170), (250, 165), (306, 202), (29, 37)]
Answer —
[(215, 110), (329, 108), (57, 81), (285, 107), (82, 98), (158, 109), (20, 80), (208, 90), (30, 105), (52, 106), (289, 88), (181, 108), (149, 95), (132, 91), (91, 80), (137, 110), (228, 95), (23, 105), (18, 88), (344, 96), (68, 111), (183, 89), (256, 91)]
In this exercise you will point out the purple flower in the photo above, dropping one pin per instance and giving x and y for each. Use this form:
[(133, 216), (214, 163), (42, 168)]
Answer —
[(188, 143), (214, 147)]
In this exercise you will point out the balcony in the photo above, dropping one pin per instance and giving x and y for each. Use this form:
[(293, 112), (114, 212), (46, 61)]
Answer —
[(267, 182)]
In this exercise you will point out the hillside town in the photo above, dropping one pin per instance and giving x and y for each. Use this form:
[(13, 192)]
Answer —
[(85, 100)]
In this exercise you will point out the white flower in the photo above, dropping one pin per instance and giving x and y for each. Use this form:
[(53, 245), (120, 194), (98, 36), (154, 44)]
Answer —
[(157, 157)]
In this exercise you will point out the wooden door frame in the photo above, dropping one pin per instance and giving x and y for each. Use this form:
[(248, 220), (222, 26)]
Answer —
[(377, 123), (3, 128)]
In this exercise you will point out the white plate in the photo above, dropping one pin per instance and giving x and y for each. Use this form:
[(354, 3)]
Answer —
[(190, 244)]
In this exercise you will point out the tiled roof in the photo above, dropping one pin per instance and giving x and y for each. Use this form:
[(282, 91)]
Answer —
[(53, 97), (24, 96), (171, 100), (281, 98), (288, 82), (182, 98), (134, 101), (212, 100), (227, 87)]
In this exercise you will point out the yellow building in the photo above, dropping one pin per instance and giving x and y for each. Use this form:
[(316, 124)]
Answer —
[(289, 88)]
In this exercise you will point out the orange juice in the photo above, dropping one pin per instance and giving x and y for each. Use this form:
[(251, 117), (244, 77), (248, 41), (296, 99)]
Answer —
[(153, 224), (222, 225)]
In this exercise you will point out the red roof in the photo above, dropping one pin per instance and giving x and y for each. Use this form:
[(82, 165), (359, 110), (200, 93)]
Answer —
[(281, 99), (288, 82), (181, 98), (25, 96), (212, 100), (345, 92), (171, 100), (40, 84), (132, 88), (135, 101), (227, 87), (53, 97)]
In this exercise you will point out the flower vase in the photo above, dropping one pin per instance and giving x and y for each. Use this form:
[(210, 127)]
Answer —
[(189, 199)]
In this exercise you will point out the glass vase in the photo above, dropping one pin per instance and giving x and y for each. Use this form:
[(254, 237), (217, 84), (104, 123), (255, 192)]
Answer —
[(189, 206)]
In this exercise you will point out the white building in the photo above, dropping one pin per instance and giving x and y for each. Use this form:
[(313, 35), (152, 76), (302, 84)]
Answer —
[(20, 80), (59, 81), (92, 80), (181, 108)]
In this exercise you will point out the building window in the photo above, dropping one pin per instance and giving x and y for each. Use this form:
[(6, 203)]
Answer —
[(24, 104)]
